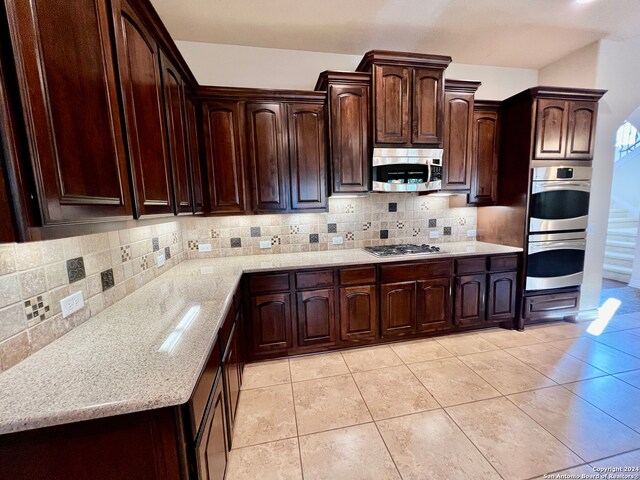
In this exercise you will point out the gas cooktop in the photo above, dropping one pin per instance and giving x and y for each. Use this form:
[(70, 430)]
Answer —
[(403, 249)]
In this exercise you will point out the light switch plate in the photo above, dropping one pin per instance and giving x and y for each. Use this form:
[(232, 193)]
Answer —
[(471, 233), (434, 234), (204, 247), (72, 303), (337, 240), (160, 260), (265, 243)]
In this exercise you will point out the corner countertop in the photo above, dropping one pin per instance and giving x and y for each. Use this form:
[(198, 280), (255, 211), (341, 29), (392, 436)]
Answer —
[(113, 364)]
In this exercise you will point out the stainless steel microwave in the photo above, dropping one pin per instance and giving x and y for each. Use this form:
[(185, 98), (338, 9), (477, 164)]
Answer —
[(407, 169)]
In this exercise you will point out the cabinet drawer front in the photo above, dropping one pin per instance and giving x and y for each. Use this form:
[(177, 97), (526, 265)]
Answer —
[(269, 283), (357, 276), (471, 265), (507, 262), (551, 306), (414, 271), (316, 279), (201, 393)]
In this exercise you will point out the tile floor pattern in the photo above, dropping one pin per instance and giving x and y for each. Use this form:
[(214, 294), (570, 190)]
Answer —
[(493, 404)]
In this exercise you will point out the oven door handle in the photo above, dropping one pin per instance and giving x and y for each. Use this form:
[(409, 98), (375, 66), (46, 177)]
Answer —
[(571, 245), (538, 187)]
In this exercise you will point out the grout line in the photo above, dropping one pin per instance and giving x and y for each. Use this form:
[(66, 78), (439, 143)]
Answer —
[(295, 419)]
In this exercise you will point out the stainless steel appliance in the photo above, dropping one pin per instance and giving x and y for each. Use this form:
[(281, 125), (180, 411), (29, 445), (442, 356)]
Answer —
[(559, 199), (555, 260), (407, 169), (402, 249)]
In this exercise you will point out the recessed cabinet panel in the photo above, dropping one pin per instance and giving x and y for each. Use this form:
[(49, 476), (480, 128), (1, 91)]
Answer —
[(358, 313), (470, 299), (397, 304), (551, 129), (194, 156), (433, 305), (581, 130), (501, 304), (427, 106), (211, 446), (316, 317), (70, 105), (484, 167), (392, 104), (457, 141), (271, 320)]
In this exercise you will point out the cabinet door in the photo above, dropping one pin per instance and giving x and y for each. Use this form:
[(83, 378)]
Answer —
[(231, 375), (211, 446), (392, 120), (174, 105), (427, 106), (316, 317), (307, 157), (501, 304), (581, 130), (433, 305), (349, 138), (470, 299), (271, 322), (194, 156), (458, 119), (358, 313), (7, 233), (398, 305), (68, 89), (551, 130), (267, 157), (222, 121), (141, 87), (484, 158)]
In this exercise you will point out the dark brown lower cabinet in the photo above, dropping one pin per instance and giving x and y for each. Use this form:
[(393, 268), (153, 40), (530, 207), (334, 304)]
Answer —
[(501, 299), (397, 305), (211, 444), (470, 299), (433, 305), (316, 317), (232, 366), (271, 323), (358, 313)]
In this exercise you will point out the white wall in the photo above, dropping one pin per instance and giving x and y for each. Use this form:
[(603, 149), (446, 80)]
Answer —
[(238, 66), (579, 69)]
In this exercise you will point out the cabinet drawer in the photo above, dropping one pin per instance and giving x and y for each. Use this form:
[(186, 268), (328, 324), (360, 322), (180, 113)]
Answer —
[(555, 305), (471, 265), (506, 262), (357, 276), (315, 279), (200, 397), (408, 272), (276, 282)]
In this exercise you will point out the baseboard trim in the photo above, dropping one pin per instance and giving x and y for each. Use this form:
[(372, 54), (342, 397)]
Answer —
[(585, 315), (634, 283)]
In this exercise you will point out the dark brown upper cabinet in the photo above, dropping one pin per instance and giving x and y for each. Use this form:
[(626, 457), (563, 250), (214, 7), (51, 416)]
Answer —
[(67, 85), (195, 163), (141, 88), (408, 97), (484, 153), (174, 104), (267, 156), (7, 233), (458, 133), (222, 126), (307, 157), (348, 100)]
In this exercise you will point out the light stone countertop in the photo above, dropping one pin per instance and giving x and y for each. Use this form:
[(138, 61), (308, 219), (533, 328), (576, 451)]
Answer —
[(111, 364)]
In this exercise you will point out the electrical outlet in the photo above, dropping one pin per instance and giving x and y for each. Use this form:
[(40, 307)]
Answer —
[(204, 247), (160, 260), (265, 243), (434, 234), (471, 233), (337, 240), (72, 303)]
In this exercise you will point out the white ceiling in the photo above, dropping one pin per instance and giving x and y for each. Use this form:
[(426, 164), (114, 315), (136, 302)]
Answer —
[(512, 33)]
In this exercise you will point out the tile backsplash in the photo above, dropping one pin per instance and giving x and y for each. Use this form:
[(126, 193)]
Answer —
[(34, 277)]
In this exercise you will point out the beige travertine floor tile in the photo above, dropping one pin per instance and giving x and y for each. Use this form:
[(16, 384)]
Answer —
[(510, 338), (613, 396), (516, 446), (264, 415), (431, 445), (353, 453), (363, 359), (393, 391), (624, 341), (559, 331), (623, 322), (630, 459), (634, 331), (585, 469), (451, 382), (598, 354), (465, 344), (420, 351), (278, 460), (586, 430), (264, 374), (555, 364), (317, 366), (632, 378), (327, 403), (505, 373)]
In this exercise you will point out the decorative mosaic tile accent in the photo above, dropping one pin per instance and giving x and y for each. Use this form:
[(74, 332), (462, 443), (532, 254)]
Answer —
[(314, 238), (255, 231), (294, 229), (416, 231), (75, 269), (350, 236), (167, 253), (144, 262), (384, 233), (433, 223), (400, 225), (155, 242), (424, 206), (214, 233), (393, 207), (36, 309), (366, 226), (193, 244), (275, 240), (236, 242), (125, 253), (349, 208), (332, 228), (462, 221), (447, 230), (107, 279), (174, 237)]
